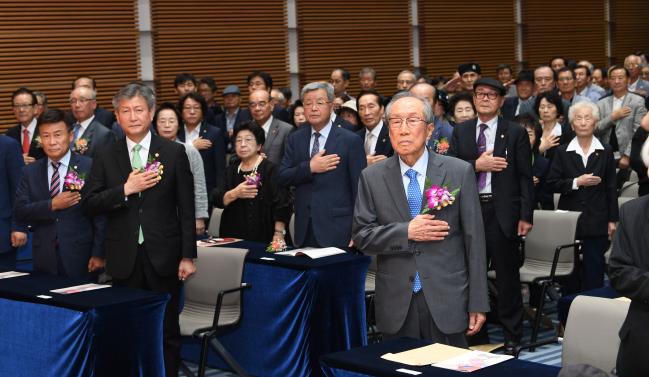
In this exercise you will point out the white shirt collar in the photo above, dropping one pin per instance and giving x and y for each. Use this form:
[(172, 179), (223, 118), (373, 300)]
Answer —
[(86, 123), (574, 146), (420, 166), (377, 130), (31, 127), (491, 123), (325, 131), (556, 130), (332, 118), (65, 160), (266, 126), (144, 143)]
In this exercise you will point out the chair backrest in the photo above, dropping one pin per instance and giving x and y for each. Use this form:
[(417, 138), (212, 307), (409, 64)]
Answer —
[(633, 177), (215, 222), (630, 190), (623, 199), (556, 198), (591, 335), (291, 226), (551, 229), (217, 269)]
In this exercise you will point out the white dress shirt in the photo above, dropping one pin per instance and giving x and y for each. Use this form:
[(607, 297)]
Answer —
[(574, 146), (63, 170), (144, 151), (374, 136), (31, 128), (84, 125), (195, 134), (490, 138), (266, 125), (420, 167), (324, 134)]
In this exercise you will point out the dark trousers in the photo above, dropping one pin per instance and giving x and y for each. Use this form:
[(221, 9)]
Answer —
[(594, 265), (503, 256), (8, 259), (419, 324), (144, 276)]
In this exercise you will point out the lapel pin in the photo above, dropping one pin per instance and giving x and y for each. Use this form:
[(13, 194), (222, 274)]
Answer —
[(502, 136), (383, 141)]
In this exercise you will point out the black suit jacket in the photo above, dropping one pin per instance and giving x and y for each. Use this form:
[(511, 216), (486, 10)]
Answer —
[(342, 123), (165, 212), (213, 157), (629, 271), (509, 108), (383, 144), (597, 204), (637, 164), (222, 124), (512, 188), (35, 150)]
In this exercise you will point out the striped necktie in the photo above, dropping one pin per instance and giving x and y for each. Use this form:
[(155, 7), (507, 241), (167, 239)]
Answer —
[(55, 182)]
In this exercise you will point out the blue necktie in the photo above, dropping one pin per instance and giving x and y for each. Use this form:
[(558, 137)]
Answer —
[(414, 202)]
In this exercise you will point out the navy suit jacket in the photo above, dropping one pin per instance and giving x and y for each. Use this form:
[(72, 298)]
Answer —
[(35, 150), (383, 144), (327, 199), (78, 236), (213, 157), (222, 124), (11, 163)]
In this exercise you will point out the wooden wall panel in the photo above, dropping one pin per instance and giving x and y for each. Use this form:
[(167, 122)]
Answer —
[(630, 29)]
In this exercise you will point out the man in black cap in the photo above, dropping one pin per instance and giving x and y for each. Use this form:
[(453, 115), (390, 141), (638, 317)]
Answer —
[(523, 102), (469, 73), (500, 152)]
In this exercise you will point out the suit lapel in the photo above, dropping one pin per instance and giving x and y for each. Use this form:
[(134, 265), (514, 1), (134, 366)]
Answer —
[(44, 178), (331, 139), (154, 148), (393, 181), (500, 142), (471, 129), (123, 159), (382, 143), (89, 132), (435, 173), (272, 132)]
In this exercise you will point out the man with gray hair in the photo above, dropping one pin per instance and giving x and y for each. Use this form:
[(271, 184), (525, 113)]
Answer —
[(367, 78), (636, 84), (323, 163), (150, 215), (431, 281), (90, 135)]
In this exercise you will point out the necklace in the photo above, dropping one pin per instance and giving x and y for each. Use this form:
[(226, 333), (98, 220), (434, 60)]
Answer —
[(254, 169)]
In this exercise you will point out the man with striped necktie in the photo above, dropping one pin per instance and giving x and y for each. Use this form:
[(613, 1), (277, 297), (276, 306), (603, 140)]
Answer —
[(65, 241), (431, 281)]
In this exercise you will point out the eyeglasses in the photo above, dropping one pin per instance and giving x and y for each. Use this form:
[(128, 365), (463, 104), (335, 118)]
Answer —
[(254, 105), (483, 95), (190, 108), (410, 122), (22, 106), (81, 101), (318, 103), (247, 141)]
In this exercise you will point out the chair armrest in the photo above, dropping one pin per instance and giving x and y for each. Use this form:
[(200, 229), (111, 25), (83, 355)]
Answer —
[(555, 260), (219, 301)]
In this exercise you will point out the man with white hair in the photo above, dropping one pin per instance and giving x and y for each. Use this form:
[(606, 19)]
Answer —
[(636, 84)]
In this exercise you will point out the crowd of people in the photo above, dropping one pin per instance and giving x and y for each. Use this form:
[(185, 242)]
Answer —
[(130, 191)]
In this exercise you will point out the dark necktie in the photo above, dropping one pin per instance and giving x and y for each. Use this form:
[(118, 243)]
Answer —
[(482, 147), (55, 183), (316, 144)]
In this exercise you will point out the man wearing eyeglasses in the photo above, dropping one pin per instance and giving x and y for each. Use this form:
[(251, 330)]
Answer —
[(89, 134), (636, 84), (24, 106), (431, 281), (323, 163), (261, 109), (500, 153)]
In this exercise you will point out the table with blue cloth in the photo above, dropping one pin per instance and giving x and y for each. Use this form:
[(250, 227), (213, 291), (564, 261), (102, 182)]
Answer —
[(367, 361), (111, 331), (297, 310)]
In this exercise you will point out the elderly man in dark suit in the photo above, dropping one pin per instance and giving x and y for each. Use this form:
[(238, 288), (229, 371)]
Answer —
[(24, 106), (323, 162), (523, 101), (275, 130), (12, 235), (375, 131), (66, 242), (89, 134), (500, 154), (150, 230), (103, 116), (431, 281)]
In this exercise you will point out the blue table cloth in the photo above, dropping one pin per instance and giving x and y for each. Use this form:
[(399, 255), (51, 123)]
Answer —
[(366, 361), (297, 310), (107, 332)]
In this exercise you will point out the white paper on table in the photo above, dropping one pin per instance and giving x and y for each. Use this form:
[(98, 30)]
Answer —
[(12, 274), (79, 288), (313, 253), (472, 361)]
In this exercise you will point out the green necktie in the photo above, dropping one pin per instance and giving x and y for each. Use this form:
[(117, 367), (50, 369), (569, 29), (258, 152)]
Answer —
[(136, 163)]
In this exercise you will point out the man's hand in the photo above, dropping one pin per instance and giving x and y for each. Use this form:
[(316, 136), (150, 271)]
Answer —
[(476, 320), (201, 144), (487, 162), (536, 180), (374, 158), (620, 113), (321, 163), (28, 159), (186, 268), (245, 191), (426, 228), (96, 263), (65, 199), (624, 162), (18, 239), (612, 227), (200, 226), (140, 181), (588, 180), (523, 227)]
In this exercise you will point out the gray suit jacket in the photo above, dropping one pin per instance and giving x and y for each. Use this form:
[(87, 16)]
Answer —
[(625, 127), (274, 145), (453, 272), (98, 136)]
